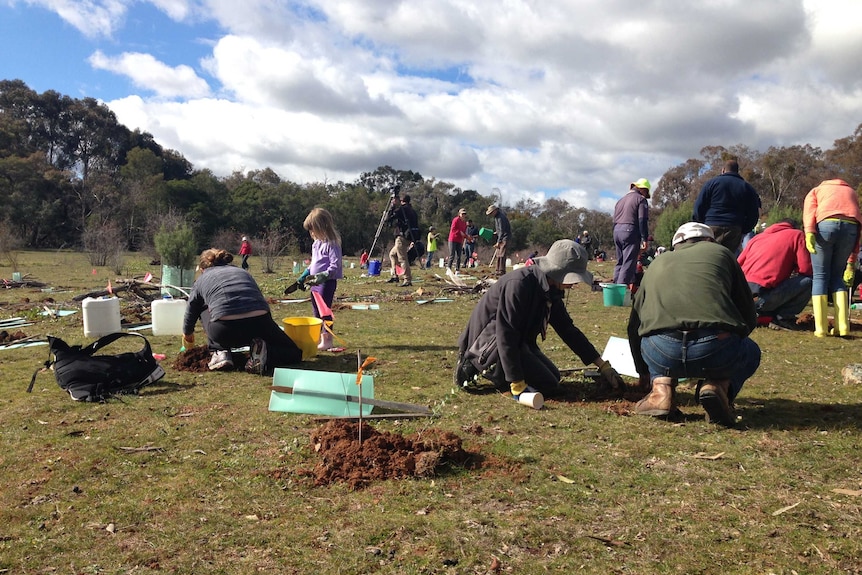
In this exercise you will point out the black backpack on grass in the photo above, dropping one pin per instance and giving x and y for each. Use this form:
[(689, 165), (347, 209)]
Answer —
[(89, 377)]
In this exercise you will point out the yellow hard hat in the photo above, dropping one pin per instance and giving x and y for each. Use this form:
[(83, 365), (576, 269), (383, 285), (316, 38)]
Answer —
[(642, 183)]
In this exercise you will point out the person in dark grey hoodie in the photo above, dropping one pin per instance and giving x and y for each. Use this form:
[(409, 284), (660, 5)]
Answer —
[(499, 341)]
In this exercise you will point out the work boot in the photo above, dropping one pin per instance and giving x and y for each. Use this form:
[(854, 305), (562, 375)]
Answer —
[(840, 300), (821, 320), (713, 398), (660, 401)]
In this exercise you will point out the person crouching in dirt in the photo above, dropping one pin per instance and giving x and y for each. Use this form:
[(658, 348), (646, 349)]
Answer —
[(499, 341), (691, 318), (234, 313)]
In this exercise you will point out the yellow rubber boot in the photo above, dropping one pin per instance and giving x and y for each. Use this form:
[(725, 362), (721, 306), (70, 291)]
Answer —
[(820, 304), (842, 313)]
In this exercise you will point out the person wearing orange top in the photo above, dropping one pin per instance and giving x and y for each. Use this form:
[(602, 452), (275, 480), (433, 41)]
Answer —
[(832, 221)]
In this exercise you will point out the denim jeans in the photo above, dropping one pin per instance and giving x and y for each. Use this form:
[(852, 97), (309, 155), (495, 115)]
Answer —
[(835, 241), (786, 299), (711, 354)]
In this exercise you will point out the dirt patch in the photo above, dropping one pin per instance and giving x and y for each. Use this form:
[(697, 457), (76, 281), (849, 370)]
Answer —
[(197, 360), (6, 337), (383, 455)]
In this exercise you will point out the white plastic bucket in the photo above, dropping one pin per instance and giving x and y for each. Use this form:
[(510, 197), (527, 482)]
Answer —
[(101, 316), (168, 315)]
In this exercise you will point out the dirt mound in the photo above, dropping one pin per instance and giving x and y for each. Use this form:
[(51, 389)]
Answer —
[(6, 337), (382, 455), (197, 359)]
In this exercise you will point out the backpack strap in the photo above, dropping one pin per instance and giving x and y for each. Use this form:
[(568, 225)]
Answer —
[(109, 339), (46, 365)]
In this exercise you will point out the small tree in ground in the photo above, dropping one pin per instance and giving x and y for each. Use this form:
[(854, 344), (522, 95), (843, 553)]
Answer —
[(103, 241), (272, 246), (9, 245)]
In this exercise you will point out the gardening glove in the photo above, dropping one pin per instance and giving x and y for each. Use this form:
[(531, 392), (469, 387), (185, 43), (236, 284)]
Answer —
[(517, 387), (611, 377), (849, 274), (188, 342), (811, 242), (301, 281), (317, 279)]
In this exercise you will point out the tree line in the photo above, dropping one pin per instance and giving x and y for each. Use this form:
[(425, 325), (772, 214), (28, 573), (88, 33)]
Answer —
[(72, 176)]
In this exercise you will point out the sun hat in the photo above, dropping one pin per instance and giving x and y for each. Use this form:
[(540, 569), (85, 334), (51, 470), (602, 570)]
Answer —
[(691, 230), (490, 209), (462, 212), (565, 263)]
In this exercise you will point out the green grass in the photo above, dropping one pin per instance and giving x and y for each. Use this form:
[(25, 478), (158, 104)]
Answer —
[(222, 489)]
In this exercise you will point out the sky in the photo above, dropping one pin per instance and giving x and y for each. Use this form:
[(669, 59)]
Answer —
[(523, 99)]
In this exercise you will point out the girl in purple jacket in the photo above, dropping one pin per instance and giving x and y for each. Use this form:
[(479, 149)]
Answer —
[(325, 269)]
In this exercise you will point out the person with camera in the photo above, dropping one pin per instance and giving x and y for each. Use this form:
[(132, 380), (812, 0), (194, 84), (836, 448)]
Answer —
[(406, 222)]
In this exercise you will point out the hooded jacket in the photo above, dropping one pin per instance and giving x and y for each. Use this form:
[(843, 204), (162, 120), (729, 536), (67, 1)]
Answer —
[(512, 314)]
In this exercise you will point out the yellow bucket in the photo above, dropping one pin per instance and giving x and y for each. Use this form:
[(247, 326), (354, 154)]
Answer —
[(305, 333)]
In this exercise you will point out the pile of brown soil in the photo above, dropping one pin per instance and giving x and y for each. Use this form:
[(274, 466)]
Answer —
[(197, 360), (6, 337), (382, 455)]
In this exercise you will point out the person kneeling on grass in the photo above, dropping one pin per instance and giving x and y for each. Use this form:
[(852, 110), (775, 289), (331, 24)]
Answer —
[(234, 313), (499, 341), (691, 318)]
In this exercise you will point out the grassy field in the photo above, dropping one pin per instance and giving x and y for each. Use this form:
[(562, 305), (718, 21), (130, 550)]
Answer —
[(195, 475)]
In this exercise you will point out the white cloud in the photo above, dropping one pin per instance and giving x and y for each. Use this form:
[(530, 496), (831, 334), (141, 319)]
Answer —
[(148, 73), (575, 98)]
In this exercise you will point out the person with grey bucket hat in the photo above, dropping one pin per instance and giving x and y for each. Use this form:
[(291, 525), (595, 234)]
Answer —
[(499, 342)]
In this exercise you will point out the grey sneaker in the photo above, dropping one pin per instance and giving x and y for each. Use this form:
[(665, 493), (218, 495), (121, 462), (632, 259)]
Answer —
[(256, 363), (220, 360)]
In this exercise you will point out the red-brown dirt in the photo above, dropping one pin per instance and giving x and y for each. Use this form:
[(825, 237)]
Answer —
[(382, 455)]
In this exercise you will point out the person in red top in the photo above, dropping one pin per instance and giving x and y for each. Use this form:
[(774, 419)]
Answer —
[(778, 270), (363, 259), (245, 252), (457, 235)]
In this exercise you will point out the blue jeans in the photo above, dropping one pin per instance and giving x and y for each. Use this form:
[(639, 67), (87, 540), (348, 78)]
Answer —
[(786, 299), (429, 259), (835, 241), (709, 354)]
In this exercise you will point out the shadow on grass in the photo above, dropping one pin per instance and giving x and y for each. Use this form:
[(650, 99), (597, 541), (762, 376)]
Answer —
[(163, 387), (789, 414)]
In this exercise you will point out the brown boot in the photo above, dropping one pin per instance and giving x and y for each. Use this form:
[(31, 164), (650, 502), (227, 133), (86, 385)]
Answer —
[(713, 398), (660, 400)]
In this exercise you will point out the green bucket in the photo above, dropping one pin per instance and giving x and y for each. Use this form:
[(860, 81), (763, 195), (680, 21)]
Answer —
[(614, 294), (486, 234)]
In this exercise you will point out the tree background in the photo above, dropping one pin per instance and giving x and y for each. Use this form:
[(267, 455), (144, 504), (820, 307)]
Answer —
[(72, 176)]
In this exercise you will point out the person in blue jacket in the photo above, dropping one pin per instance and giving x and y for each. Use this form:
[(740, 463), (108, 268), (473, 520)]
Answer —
[(729, 205)]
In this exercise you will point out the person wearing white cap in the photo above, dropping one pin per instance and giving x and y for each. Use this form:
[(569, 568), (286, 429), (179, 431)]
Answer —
[(691, 318), (499, 342), (245, 252), (631, 230)]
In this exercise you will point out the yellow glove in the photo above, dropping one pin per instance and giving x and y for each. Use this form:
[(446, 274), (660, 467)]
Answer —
[(611, 376), (517, 387), (188, 341), (811, 242), (849, 274)]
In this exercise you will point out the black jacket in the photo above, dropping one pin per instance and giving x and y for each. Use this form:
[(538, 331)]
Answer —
[(510, 315)]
